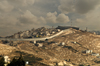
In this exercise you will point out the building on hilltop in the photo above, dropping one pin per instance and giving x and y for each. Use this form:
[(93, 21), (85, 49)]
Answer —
[(66, 27)]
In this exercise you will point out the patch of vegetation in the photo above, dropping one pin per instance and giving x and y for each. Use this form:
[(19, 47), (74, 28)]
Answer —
[(37, 51), (21, 52), (17, 62), (51, 42), (43, 47), (5, 41), (2, 61), (81, 65), (30, 57), (46, 39), (97, 61), (70, 48)]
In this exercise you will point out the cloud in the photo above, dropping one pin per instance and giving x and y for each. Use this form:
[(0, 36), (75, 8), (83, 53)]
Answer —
[(62, 18), (84, 13), (5, 6), (53, 18), (28, 18), (8, 21), (19, 15), (66, 6), (84, 6), (22, 2), (78, 6), (42, 7), (79, 20), (91, 20)]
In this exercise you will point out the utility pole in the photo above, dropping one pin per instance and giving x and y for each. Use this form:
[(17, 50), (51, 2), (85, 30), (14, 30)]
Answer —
[(86, 29), (71, 22)]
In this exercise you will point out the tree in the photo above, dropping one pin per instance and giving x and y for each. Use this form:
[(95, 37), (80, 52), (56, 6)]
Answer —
[(46, 39), (13, 62), (2, 61), (17, 62), (20, 61)]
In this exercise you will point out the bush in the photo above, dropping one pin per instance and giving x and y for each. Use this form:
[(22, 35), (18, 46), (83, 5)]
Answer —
[(46, 39), (2, 61), (17, 62)]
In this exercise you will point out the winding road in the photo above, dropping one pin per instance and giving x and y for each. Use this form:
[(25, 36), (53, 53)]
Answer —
[(35, 39)]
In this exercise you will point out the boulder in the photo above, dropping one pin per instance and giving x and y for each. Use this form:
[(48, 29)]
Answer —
[(60, 63), (39, 44)]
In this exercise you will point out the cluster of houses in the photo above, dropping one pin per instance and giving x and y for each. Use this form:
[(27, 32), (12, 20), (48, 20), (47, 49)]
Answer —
[(40, 32), (90, 52)]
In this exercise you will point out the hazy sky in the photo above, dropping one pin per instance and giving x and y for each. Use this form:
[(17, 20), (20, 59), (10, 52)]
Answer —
[(20, 15)]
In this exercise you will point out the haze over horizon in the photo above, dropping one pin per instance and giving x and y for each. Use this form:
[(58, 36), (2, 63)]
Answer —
[(20, 15)]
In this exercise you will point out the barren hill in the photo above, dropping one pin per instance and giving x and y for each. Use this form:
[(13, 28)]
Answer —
[(67, 47)]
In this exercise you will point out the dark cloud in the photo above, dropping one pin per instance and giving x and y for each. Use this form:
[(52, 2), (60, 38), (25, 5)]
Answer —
[(78, 6), (84, 6)]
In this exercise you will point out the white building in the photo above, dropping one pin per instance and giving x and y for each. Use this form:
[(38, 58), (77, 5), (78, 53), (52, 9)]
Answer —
[(6, 59), (63, 43), (95, 54), (87, 51)]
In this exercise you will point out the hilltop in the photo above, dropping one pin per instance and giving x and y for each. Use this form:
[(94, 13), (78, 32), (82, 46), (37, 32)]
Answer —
[(66, 48), (35, 33)]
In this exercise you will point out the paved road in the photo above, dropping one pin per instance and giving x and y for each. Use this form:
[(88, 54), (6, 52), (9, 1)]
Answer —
[(34, 39)]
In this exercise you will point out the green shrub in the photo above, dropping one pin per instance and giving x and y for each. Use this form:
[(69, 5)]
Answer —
[(17, 62), (2, 61)]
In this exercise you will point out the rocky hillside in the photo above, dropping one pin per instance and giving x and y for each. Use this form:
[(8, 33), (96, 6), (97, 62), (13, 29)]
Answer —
[(72, 47)]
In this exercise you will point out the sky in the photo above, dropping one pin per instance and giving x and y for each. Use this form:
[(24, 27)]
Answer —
[(20, 15)]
